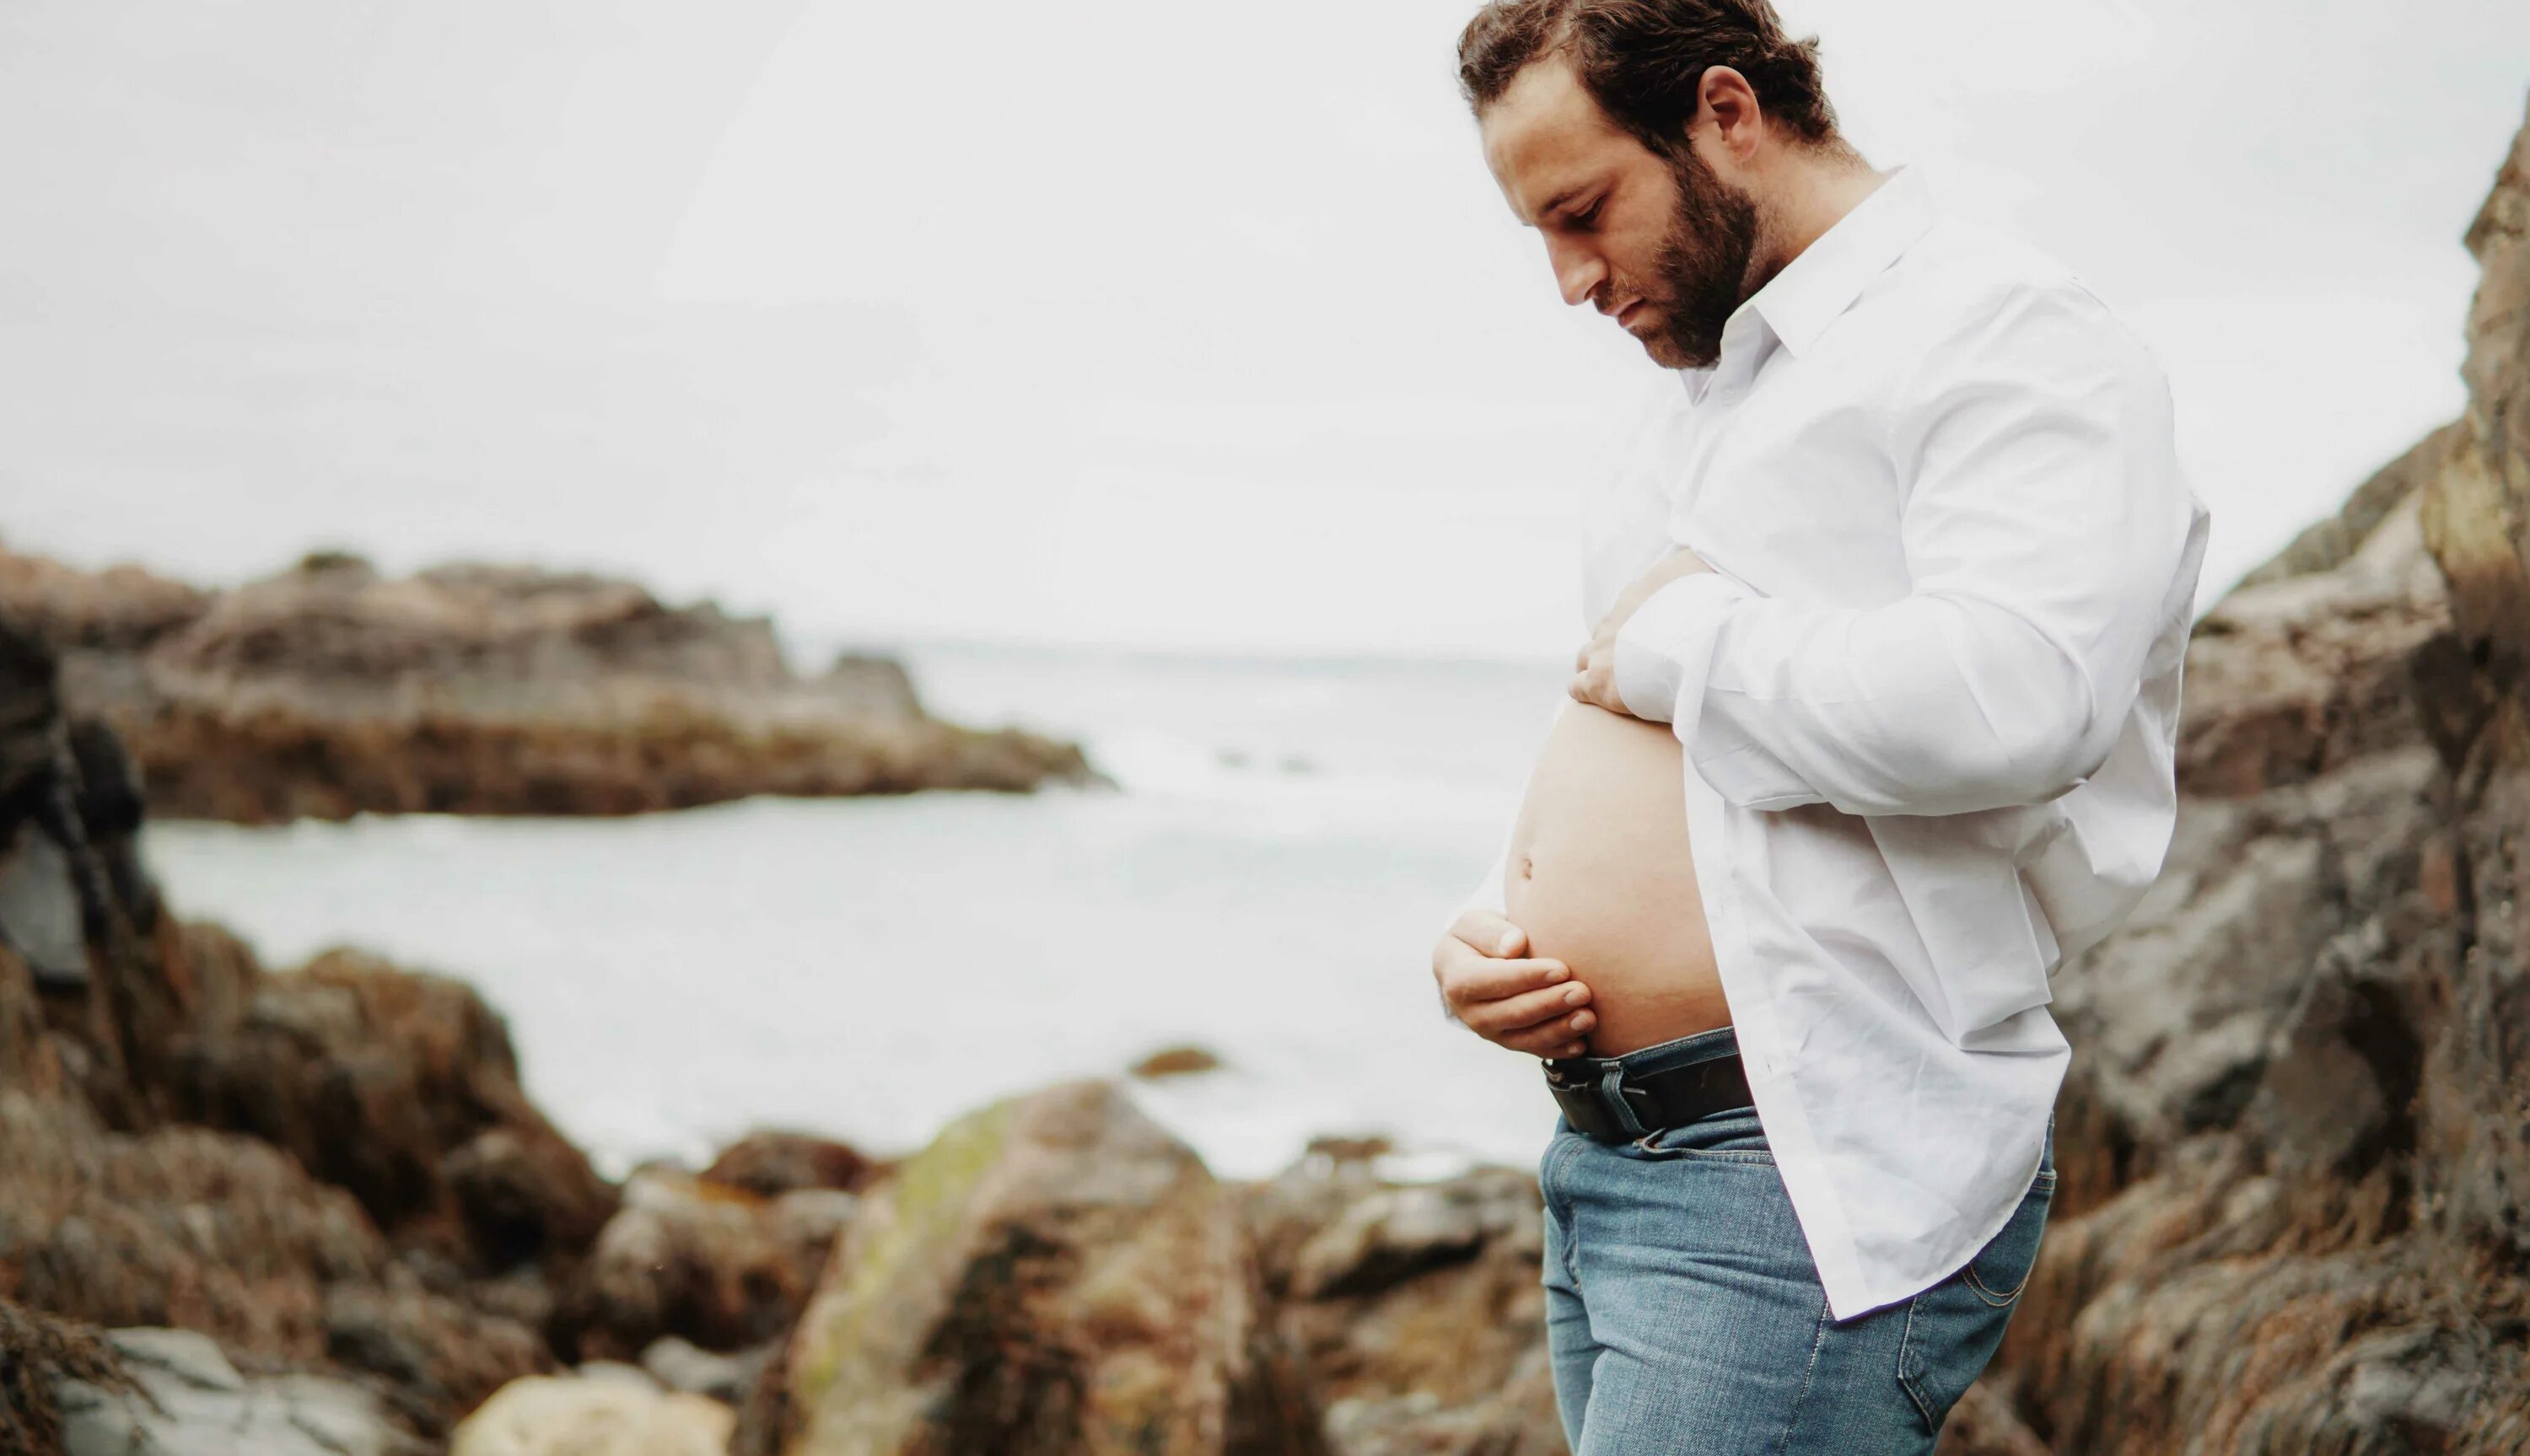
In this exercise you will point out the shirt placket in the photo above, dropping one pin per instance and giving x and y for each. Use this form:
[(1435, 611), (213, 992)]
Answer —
[(1745, 342)]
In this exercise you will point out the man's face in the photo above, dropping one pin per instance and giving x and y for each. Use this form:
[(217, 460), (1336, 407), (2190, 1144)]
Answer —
[(1663, 248)]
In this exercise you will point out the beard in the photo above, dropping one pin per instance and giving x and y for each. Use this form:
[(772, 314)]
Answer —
[(1704, 264)]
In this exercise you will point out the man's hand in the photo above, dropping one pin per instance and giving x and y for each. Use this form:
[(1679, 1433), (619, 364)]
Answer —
[(1594, 667), (1524, 1004)]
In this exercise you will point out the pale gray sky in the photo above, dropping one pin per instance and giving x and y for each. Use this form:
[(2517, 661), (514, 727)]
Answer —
[(1118, 321)]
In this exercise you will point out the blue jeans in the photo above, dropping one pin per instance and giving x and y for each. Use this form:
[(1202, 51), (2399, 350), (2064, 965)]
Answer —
[(1684, 1313)]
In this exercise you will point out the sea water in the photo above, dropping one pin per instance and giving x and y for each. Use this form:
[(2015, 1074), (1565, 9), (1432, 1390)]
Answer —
[(1285, 841)]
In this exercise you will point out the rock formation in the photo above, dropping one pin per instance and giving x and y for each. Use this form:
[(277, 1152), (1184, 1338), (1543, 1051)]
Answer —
[(329, 691), (312, 1208), (1416, 1310), (1055, 1274), (2295, 1214)]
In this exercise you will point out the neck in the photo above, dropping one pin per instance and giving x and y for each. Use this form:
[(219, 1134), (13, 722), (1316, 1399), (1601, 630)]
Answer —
[(1817, 189)]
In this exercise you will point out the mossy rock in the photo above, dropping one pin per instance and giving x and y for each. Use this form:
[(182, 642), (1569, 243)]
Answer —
[(1055, 1276)]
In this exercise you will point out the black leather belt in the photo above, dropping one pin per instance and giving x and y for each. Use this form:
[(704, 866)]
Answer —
[(1611, 1101)]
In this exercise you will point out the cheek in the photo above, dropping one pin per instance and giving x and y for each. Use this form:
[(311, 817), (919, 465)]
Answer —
[(1635, 258), (1635, 251)]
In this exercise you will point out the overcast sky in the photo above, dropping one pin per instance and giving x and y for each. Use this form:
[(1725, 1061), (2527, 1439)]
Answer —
[(1120, 322)]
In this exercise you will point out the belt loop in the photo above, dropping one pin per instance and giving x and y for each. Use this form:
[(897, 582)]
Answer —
[(1611, 1092)]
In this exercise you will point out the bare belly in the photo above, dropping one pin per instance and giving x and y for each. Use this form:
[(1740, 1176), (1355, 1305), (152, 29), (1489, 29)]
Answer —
[(1600, 877)]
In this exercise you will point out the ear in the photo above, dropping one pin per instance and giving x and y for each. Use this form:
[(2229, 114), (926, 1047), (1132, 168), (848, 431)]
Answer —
[(1724, 97)]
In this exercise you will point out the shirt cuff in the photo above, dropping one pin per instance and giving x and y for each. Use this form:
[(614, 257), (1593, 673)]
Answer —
[(1666, 648)]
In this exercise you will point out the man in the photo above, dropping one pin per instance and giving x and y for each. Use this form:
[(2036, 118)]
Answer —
[(1921, 567)]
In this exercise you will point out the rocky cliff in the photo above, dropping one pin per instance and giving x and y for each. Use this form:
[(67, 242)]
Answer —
[(329, 691), (2295, 1216)]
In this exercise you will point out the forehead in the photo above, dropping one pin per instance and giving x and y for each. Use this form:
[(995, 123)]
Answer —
[(1546, 134)]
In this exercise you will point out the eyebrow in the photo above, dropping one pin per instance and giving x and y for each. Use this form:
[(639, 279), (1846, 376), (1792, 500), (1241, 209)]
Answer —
[(1560, 198)]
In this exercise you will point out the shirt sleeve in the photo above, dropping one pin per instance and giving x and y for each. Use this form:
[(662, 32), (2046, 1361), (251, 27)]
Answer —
[(2044, 525)]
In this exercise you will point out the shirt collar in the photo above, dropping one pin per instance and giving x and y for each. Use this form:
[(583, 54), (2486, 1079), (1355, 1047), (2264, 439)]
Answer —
[(1826, 277)]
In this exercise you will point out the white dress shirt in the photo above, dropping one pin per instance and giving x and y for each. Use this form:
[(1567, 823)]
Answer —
[(1928, 698)]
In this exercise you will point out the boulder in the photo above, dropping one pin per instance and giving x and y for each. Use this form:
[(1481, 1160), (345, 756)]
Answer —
[(593, 1414), (714, 1264), (1054, 1274), (403, 1088), (769, 1163), (1394, 1234), (1416, 1308), (191, 1401)]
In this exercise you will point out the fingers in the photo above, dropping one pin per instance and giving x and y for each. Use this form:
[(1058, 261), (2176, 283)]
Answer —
[(1526, 1004), (1469, 979), (1489, 934), (1595, 682), (1561, 1011), (1547, 1039)]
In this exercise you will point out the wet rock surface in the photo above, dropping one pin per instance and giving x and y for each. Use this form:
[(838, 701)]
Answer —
[(329, 691)]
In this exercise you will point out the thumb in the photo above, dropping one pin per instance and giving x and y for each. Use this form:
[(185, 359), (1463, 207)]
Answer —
[(1491, 934)]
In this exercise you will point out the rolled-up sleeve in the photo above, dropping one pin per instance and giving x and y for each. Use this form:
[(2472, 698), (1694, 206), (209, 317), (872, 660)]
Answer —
[(2044, 521)]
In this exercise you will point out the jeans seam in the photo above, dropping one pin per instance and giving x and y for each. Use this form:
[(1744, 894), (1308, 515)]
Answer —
[(1558, 1159), (2042, 1189), (1792, 1419), (1747, 1157), (1994, 1298), (1906, 1375)]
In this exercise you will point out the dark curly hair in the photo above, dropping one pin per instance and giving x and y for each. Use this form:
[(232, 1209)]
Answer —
[(1643, 59)]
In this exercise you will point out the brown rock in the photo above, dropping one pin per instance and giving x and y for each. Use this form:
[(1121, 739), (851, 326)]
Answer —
[(2295, 1216), (1176, 1061), (1982, 1424), (441, 1356), (330, 690), (226, 1235), (2295, 676), (716, 1266), (170, 1133), (1053, 1274), (1416, 1308), (121, 608), (400, 1086), (771, 1162)]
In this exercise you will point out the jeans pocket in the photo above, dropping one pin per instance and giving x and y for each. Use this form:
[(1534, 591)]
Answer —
[(2000, 1270), (1954, 1328), (1727, 1137)]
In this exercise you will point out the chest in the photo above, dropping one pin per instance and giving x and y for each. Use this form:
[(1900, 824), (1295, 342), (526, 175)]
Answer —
[(1783, 476)]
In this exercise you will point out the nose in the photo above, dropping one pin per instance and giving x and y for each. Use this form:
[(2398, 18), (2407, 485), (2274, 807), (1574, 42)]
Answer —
[(1578, 271)]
